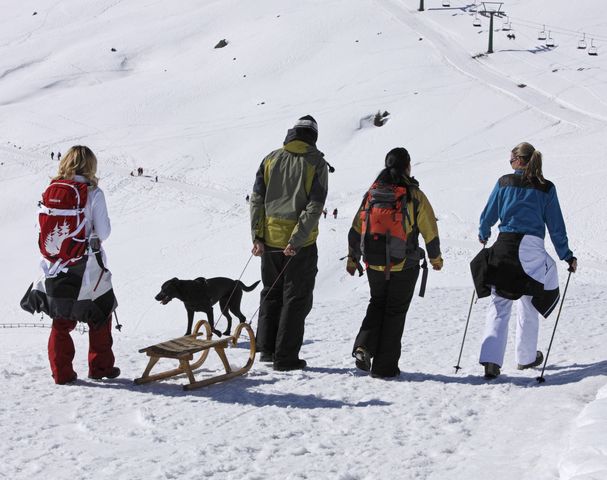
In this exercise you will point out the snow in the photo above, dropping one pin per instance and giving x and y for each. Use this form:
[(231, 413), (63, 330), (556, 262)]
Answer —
[(586, 458), (202, 119)]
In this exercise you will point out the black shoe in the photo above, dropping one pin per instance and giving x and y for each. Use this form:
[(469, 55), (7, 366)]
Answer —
[(539, 358), (386, 376), (113, 373), (266, 357), (492, 370), (285, 366), (363, 359)]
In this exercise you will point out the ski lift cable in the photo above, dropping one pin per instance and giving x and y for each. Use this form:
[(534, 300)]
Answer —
[(555, 29), (537, 25), (560, 30)]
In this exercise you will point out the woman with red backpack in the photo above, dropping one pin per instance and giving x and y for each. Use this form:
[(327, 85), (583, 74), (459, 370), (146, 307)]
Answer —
[(75, 285), (384, 235)]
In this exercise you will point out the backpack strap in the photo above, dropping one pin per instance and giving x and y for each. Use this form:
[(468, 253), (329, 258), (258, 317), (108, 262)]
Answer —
[(422, 287), (414, 228), (367, 221), (64, 212), (388, 263)]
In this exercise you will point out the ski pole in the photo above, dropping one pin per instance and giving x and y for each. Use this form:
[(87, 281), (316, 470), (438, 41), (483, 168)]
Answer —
[(457, 367), (541, 378)]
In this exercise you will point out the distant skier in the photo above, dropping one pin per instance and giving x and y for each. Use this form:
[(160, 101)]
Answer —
[(335, 213), (156, 178), (517, 266), (52, 155), (247, 198), (324, 213), (58, 156)]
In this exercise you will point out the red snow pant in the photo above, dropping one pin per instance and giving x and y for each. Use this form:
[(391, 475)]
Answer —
[(61, 350)]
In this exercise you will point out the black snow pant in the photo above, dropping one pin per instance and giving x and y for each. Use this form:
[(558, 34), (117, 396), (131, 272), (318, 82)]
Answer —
[(382, 328), (284, 308)]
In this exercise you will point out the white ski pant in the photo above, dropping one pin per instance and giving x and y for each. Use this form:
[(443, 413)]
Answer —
[(496, 330)]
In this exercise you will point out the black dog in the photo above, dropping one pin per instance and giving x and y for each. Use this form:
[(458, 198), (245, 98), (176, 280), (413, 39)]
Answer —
[(200, 294)]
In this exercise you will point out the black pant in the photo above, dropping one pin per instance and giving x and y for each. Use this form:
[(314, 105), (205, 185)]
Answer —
[(284, 308), (383, 325)]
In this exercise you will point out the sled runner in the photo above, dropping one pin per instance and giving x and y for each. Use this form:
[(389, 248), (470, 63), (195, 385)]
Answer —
[(183, 349)]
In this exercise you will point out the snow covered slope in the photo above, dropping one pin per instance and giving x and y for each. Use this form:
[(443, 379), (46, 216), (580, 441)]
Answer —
[(201, 119)]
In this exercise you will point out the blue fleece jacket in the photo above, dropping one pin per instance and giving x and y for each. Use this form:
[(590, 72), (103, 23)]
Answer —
[(527, 209)]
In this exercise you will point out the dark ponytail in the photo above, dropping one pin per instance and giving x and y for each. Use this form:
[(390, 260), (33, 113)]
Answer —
[(397, 161)]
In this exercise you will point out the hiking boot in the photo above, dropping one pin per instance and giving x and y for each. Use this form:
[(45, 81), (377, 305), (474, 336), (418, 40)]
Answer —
[(266, 357), (386, 374), (70, 380), (492, 370), (113, 373), (539, 358), (285, 366), (385, 377), (363, 359)]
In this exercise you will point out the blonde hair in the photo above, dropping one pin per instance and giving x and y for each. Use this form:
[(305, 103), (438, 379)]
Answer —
[(532, 160), (79, 160)]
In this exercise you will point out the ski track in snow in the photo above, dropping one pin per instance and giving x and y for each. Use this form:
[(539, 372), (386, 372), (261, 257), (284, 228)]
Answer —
[(330, 420), (454, 55)]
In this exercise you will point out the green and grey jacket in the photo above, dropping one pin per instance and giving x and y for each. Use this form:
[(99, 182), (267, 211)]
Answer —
[(289, 196)]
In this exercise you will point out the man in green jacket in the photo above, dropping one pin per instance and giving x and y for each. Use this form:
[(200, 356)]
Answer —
[(287, 201)]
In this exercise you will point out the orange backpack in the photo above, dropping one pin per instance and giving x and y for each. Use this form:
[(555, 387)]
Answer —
[(384, 217)]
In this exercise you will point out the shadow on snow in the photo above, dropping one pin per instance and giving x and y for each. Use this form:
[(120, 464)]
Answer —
[(236, 392)]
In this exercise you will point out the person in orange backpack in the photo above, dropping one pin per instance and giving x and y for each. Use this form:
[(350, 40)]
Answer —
[(75, 285), (384, 234)]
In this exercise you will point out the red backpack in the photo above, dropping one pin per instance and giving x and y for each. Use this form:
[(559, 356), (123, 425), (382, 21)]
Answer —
[(62, 238), (383, 217)]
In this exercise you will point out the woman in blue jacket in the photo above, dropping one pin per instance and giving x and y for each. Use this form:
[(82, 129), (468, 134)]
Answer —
[(517, 266)]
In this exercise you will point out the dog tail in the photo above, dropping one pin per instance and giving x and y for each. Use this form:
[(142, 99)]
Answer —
[(248, 289)]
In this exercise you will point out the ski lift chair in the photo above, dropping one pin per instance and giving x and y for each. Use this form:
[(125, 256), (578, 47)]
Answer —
[(507, 26), (593, 51), (542, 34), (581, 45), (550, 40), (476, 22), (446, 3)]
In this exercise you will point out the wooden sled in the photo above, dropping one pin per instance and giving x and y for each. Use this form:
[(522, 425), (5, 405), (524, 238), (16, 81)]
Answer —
[(184, 348)]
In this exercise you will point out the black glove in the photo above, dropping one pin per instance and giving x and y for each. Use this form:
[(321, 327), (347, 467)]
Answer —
[(353, 266), (572, 264)]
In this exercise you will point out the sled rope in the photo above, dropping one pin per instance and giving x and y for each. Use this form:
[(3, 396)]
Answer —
[(233, 290), (270, 289)]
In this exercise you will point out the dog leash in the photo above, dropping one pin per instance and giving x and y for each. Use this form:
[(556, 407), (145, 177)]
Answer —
[(233, 290), (270, 289)]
